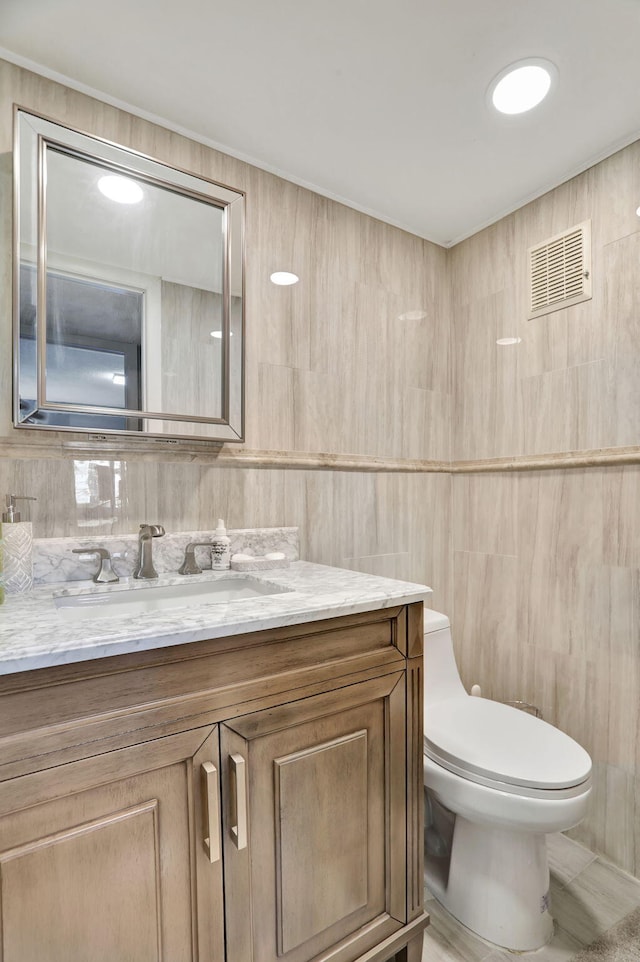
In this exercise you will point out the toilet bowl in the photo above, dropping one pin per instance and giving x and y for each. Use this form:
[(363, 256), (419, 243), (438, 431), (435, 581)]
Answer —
[(497, 781)]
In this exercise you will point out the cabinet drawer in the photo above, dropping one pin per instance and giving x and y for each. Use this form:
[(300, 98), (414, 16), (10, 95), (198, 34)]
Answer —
[(58, 711)]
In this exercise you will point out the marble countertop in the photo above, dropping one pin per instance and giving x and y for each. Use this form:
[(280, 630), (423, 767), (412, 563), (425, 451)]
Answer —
[(34, 633)]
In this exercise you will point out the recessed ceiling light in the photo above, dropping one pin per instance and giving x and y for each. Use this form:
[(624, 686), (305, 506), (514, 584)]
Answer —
[(218, 334), (121, 189), (412, 316), (522, 85), (504, 341), (284, 278)]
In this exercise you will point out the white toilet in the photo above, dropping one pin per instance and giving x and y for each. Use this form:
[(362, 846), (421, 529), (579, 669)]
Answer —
[(497, 781)]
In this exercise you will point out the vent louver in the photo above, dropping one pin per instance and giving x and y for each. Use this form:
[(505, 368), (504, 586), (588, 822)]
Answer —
[(560, 271)]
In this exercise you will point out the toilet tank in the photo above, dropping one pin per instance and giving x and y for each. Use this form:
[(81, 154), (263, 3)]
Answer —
[(441, 677)]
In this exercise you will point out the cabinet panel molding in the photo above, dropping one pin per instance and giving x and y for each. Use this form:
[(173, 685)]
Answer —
[(415, 780), (415, 631), (320, 798), (98, 770), (103, 907), (260, 723)]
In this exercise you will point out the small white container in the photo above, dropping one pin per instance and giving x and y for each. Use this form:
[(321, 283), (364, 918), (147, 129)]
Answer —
[(220, 548)]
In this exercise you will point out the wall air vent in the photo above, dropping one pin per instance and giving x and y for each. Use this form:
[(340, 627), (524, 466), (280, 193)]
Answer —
[(560, 271)]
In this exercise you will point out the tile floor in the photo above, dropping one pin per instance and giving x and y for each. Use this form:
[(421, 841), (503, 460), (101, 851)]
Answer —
[(588, 896)]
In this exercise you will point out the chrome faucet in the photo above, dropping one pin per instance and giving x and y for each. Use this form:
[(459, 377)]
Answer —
[(144, 567)]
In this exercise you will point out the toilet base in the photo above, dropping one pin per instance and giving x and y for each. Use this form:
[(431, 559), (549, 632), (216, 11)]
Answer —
[(497, 884)]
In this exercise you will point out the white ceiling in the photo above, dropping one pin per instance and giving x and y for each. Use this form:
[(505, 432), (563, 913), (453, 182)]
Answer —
[(379, 104)]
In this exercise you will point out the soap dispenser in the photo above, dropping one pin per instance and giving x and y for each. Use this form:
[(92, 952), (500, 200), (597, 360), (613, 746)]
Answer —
[(17, 539), (220, 548)]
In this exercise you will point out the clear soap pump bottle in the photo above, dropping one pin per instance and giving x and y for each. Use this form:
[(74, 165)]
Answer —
[(220, 548)]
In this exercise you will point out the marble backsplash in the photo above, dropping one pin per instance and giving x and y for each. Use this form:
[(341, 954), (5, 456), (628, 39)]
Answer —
[(54, 562)]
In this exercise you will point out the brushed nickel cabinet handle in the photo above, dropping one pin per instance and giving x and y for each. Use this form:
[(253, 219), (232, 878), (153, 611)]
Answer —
[(211, 810), (238, 801)]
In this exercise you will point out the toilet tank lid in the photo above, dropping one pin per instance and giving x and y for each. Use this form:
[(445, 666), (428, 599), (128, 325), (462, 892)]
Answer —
[(434, 621)]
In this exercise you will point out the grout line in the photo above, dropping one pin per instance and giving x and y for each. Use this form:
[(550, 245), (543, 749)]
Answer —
[(564, 884), (626, 876)]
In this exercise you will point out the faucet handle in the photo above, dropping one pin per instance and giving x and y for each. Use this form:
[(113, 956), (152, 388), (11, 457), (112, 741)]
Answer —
[(190, 566), (105, 573), (154, 530)]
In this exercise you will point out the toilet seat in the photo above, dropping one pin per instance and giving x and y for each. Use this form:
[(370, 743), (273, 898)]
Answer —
[(504, 748)]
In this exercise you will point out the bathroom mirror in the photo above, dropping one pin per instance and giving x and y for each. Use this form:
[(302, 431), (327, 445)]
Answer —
[(128, 291)]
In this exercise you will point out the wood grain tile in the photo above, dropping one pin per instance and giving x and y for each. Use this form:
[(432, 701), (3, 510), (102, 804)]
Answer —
[(615, 189), (483, 264), (566, 410), (445, 940), (622, 516), (486, 420), (621, 292), (485, 620), (566, 858), (594, 901), (562, 948), (485, 513)]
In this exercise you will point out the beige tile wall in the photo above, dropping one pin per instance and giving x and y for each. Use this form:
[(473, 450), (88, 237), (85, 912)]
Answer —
[(546, 564), (388, 524), (571, 384), (546, 582), (331, 368)]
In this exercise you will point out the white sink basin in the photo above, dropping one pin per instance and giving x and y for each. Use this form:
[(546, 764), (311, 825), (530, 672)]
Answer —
[(120, 602)]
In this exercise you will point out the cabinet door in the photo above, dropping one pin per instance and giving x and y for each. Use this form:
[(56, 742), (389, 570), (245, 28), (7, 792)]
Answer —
[(104, 859), (315, 824)]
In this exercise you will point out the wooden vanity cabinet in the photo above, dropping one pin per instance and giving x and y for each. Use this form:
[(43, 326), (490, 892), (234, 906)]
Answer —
[(247, 799)]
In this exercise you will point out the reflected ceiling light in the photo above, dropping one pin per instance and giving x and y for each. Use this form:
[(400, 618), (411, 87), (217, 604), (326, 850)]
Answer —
[(118, 378), (522, 85), (218, 334), (504, 341), (412, 316), (284, 278), (121, 189), (638, 211)]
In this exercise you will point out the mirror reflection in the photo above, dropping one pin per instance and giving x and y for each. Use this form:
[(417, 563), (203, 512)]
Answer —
[(130, 308)]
